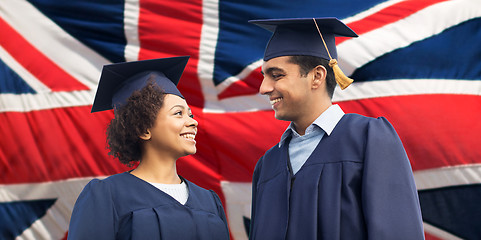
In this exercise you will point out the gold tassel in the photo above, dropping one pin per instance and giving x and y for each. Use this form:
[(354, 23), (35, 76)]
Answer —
[(341, 78)]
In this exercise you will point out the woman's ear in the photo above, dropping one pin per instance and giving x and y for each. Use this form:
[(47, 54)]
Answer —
[(146, 136), (318, 76)]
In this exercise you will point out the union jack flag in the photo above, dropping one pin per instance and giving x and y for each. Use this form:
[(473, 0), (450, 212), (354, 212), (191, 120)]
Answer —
[(416, 62)]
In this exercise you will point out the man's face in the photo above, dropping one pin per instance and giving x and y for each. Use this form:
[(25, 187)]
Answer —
[(288, 91)]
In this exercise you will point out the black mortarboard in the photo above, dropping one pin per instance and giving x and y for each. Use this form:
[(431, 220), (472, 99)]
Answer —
[(299, 36), (119, 80), (306, 36)]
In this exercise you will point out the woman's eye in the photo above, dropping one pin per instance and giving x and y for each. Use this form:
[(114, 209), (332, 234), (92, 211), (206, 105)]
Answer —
[(191, 115), (178, 113)]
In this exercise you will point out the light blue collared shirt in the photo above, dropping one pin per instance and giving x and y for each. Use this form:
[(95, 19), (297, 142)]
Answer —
[(301, 147)]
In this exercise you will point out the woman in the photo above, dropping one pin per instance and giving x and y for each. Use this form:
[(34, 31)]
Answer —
[(153, 126)]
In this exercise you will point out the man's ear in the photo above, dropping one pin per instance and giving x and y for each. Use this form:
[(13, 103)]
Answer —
[(146, 136), (319, 74)]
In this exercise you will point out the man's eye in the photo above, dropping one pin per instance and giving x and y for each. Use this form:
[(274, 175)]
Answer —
[(277, 76)]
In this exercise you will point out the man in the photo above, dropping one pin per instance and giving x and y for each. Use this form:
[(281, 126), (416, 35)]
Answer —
[(332, 175)]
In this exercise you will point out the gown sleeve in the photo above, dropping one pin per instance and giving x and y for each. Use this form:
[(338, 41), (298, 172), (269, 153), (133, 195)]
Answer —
[(390, 199), (93, 216)]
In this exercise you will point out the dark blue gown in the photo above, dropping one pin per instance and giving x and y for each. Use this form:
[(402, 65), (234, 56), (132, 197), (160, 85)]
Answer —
[(357, 184), (123, 206)]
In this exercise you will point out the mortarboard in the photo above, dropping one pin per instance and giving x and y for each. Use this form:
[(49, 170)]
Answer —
[(306, 36), (119, 80)]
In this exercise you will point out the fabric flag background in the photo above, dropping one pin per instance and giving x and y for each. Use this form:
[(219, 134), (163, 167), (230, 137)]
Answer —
[(416, 62)]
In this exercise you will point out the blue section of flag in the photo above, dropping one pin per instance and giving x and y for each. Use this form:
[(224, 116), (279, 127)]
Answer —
[(241, 43), (18, 216), (97, 24), (11, 82), (453, 209), (452, 54)]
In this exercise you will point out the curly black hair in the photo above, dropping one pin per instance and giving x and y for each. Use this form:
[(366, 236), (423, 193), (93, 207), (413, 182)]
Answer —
[(131, 121), (307, 63)]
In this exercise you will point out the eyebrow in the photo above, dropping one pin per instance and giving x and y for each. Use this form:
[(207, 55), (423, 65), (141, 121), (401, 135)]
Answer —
[(272, 69), (181, 106), (178, 105)]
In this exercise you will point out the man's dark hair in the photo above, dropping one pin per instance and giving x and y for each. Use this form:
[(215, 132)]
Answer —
[(131, 121), (307, 63)]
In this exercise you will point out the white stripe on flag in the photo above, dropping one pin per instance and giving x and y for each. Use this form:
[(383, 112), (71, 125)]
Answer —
[(208, 42), (131, 29), (238, 197), (448, 176), (43, 101)]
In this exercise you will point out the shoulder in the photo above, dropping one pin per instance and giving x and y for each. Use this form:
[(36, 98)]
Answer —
[(360, 120), (105, 188), (359, 124), (97, 186), (368, 132), (368, 126), (351, 120), (107, 183), (97, 189)]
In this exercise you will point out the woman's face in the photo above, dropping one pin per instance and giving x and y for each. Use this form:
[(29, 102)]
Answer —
[(174, 129)]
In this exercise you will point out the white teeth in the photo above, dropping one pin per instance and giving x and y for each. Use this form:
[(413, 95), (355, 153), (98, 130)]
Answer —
[(188, 136), (275, 101)]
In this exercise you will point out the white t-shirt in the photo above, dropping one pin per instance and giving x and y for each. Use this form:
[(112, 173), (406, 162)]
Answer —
[(178, 191)]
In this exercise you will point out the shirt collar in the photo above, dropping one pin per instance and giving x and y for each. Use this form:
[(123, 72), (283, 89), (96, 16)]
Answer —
[(327, 121)]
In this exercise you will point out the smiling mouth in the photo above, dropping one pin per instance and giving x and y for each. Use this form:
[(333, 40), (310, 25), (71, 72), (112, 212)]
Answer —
[(274, 101), (188, 136)]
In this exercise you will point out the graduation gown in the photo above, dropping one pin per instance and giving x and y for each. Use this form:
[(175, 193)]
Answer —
[(356, 184), (123, 206)]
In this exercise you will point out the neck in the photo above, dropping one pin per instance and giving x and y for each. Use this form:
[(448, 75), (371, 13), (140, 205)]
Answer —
[(157, 168), (302, 124)]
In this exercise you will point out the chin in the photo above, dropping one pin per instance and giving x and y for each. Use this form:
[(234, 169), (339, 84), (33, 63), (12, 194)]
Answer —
[(280, 116), (191, 151)]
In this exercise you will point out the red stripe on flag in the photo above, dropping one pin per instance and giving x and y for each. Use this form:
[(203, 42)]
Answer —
[(44, 69), (167, 30), (431, 237)]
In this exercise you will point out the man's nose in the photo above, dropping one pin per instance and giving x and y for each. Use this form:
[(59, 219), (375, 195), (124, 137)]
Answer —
[(266, 86)]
